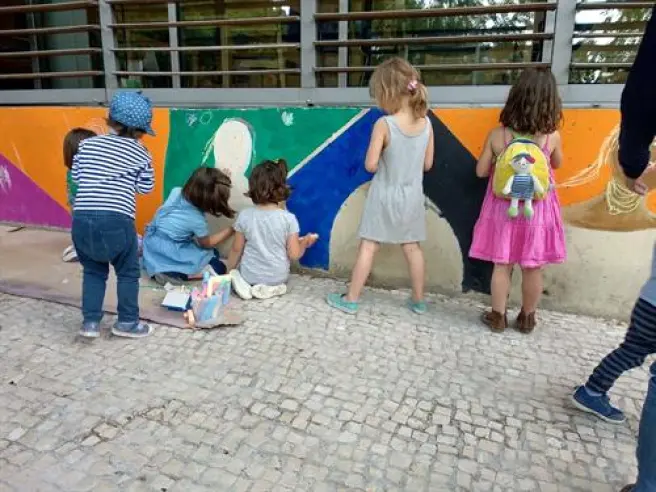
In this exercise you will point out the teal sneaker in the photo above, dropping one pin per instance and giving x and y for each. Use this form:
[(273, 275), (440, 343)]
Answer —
[(337, 301), (418, 307)]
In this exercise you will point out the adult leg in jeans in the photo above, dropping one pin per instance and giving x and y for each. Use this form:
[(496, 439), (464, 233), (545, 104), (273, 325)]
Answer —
[(647, 440), (126, 265)]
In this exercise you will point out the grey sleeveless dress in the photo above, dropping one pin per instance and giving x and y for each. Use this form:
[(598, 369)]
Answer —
[(394, 211)]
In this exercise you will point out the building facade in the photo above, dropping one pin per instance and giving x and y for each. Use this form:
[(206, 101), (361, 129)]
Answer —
[(239, 81)]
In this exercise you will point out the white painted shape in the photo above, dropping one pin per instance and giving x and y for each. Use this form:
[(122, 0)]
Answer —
[(5, 179), (232, 146), (287, 118), (444, 268)]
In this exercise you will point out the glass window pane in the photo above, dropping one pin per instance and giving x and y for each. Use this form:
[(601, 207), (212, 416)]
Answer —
[(268, 49), (606, 41), (143, 60), (71, 52), (384, 37)]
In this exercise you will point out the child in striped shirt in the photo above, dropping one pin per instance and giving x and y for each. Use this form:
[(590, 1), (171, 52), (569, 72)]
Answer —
[(109, 170), (72, 142)]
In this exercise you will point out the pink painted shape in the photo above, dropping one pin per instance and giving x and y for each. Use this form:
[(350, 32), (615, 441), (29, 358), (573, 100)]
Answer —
[(24, 202)]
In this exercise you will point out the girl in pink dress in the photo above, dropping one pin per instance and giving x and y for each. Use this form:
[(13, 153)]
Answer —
[(533, 110)]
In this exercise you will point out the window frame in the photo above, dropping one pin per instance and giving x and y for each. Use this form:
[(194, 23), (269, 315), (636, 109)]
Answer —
[(559, 25)]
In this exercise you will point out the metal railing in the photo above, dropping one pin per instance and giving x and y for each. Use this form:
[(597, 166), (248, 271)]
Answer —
[(30, 63), (607, 61), (270, 54)]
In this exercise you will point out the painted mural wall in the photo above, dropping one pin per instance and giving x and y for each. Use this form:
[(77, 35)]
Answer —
[(325, 150)]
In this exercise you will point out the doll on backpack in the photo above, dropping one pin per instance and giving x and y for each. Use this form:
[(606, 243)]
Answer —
[(528, 132)]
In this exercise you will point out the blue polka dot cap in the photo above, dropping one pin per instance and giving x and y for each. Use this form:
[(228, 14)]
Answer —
[(133, 110)]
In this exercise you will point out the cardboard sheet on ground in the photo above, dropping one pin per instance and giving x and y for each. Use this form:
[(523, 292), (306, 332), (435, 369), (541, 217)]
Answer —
[(31, 266)]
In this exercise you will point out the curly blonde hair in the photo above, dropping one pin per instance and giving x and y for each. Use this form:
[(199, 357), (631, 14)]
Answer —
[(395, 79)]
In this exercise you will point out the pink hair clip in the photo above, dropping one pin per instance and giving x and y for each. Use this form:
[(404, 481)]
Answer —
[(412, 86)]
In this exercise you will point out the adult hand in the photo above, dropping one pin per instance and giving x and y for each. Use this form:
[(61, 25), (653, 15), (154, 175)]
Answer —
[(638, 185)]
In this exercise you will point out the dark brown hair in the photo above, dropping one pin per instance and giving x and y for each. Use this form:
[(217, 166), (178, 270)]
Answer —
[(208, 189), (72, 143), (125, 131), (533, 106), (268, 183)]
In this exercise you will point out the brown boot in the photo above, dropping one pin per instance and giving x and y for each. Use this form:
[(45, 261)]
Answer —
[(526, 322), (496, 321)]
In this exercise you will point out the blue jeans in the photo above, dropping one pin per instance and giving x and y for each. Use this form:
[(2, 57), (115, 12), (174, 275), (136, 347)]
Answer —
[(647, 440), (217, 265), (102, 239)]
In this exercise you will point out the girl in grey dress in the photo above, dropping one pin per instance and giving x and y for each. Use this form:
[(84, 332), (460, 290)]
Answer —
[(400, 151)]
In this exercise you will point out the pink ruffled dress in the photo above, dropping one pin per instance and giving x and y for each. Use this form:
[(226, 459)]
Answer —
[(530, 243)]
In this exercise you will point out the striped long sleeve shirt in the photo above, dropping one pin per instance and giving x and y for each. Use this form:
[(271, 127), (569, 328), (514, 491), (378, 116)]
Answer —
[(109, 171)]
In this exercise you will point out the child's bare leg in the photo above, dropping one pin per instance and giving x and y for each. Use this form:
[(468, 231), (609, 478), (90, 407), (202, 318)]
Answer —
[(500, 286), (361, 270), (416, 268), (531, 289)]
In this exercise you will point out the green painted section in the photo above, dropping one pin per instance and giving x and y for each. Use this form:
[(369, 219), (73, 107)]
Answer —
[(289, 133)]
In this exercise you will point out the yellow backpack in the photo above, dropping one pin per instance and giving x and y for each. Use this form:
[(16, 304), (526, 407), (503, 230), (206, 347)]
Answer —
[(503, 171)]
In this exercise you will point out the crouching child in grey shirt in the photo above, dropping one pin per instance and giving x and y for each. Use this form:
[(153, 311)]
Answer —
[(266, 236)]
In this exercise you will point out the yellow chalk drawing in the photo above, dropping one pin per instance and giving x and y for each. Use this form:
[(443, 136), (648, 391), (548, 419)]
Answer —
[(617, 208)]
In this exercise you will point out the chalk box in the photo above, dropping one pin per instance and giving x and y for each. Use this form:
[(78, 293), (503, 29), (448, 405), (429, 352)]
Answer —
[(177, 301)]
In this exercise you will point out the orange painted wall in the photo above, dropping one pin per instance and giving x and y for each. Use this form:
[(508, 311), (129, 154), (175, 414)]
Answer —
[(31, 138), (583, 131)]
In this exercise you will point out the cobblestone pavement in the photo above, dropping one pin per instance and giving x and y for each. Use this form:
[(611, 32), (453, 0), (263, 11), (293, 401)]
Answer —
[(302, 398)]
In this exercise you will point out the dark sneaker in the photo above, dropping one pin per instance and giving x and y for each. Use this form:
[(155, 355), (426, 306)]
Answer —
[(90, 330), (132, 330), (597, 405)]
